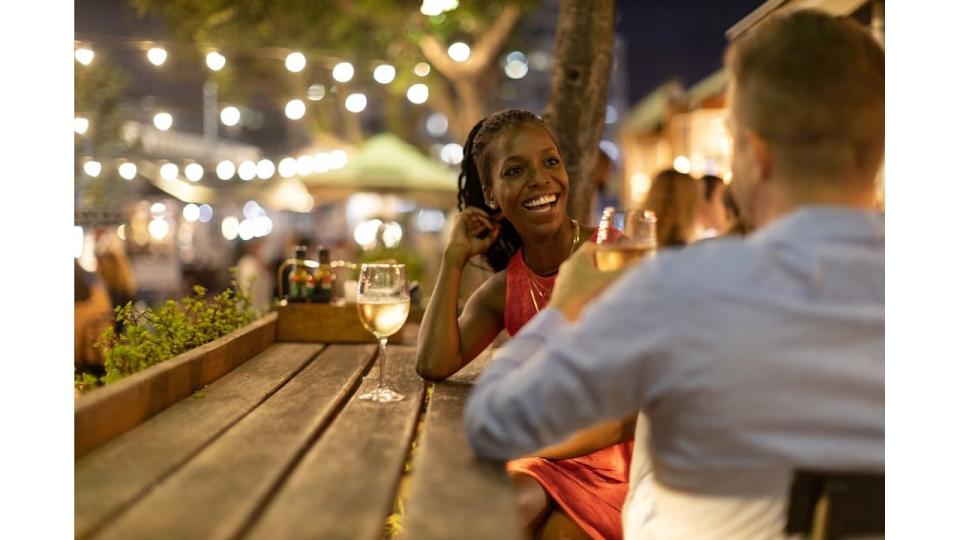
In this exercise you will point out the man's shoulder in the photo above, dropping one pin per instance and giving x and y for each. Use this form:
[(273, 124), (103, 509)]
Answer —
[(706, 264)]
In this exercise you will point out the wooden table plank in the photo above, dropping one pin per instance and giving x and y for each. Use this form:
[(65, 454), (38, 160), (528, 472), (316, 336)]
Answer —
[(216, 492), (115, 474), (345, 486), (454, 495)]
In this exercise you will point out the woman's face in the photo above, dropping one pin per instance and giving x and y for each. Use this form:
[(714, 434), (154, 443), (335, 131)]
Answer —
[(528, 180)]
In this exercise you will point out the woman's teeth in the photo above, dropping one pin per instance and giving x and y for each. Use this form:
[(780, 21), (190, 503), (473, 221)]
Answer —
[(540, 204)]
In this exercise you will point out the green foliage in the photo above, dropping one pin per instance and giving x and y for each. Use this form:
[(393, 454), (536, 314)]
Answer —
[(154, 335)]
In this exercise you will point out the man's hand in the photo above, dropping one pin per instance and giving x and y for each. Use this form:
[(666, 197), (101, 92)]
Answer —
[(579, 282)]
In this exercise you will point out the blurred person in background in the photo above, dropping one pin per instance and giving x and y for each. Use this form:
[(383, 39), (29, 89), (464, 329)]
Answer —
[(711, 212), (605, 195), (115, 271), (92, 314), (674, 197), (253, 275)]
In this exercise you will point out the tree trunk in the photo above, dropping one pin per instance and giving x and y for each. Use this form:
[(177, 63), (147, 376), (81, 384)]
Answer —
[(578, 98)]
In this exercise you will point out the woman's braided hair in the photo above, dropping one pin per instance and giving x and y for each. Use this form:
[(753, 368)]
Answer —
[(475, 174)]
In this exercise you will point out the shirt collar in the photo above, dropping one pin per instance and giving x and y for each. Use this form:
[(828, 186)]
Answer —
[(824, 223)]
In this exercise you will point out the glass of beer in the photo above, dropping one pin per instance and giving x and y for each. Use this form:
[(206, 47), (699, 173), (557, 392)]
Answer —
[(625, 236), (383, 302)]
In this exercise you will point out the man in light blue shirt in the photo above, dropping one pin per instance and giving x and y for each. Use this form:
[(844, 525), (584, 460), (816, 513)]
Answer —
[(749, 358)]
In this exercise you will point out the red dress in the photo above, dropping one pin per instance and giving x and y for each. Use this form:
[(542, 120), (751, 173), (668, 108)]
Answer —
[(591, 489)]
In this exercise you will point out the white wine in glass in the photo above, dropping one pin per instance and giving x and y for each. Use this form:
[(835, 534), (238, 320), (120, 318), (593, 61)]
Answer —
[(383, 303), (639, 238)]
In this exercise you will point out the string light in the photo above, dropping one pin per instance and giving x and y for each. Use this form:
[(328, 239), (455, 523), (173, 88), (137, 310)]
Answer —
[(422, 69), (356, 103), (216, 61), (193, 172), (295, 62), (230, 227), (295, 109), (452, 153), (92, 168), (230, 116), (163, 121), (80, 125), (247, 171), (384, 73), (338, 159), (128, 171), (682, 164), (343, 72), (316, 92), (287, 167), (157, 55), (169, 171), (226, 169), (191, 212), (459, 51), (84, 55), (265, 169), (516, 66), (304, 165), (418, 93), (206, 213), (437, 124)]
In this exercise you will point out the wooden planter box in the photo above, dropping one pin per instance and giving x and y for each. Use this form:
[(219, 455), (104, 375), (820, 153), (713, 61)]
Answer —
[(108, 412)]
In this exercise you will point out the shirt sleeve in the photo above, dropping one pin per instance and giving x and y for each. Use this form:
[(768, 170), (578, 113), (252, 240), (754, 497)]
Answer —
[(556, 377)]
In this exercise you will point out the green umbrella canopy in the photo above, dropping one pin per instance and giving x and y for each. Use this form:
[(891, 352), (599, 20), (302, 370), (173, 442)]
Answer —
[(385, 163)]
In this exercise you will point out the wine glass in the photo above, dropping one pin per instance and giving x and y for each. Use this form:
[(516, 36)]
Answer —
[(624, 236), (383, 302)]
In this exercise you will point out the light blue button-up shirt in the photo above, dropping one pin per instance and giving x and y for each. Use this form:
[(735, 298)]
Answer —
[(749, 357)]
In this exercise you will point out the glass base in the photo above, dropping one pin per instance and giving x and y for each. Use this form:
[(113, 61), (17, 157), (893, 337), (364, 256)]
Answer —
[(382, 395)]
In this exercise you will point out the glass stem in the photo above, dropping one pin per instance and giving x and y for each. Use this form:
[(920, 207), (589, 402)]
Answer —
[(383, 358)]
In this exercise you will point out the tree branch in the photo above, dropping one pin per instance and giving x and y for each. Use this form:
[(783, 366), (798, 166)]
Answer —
[(487, 47)]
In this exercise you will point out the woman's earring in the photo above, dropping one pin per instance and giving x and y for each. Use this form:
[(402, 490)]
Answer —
[(492, 204)]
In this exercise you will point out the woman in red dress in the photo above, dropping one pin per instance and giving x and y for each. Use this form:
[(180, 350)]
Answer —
[(513, 196)]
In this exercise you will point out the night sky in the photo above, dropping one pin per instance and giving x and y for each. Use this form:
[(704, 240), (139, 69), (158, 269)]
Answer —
[(681, 39)]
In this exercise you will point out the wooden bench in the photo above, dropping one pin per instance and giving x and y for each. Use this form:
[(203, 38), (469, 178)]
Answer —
[(279, 447)]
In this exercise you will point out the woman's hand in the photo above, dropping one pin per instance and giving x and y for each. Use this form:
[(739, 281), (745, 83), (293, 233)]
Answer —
[(474, 231)]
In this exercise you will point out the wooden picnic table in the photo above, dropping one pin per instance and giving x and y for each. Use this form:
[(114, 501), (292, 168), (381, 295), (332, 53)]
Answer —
[(279, 447)]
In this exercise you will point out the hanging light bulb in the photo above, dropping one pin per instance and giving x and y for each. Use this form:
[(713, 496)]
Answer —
[(80, 125), (92, 168), (157, 55), (459, 51), (84, 55), (193, 172), (225, 170), (216, 61), (163, 121), (384, 73), (343, 72), (295, 109), (169, 171), (295, 62), (418, 93), (230, 116), (356, 103), (128, 171)]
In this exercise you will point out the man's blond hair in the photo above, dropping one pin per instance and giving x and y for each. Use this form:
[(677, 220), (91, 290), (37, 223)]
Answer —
[(812, 85)]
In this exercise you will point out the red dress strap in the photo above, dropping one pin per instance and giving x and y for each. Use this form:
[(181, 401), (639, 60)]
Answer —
[(527, 291)]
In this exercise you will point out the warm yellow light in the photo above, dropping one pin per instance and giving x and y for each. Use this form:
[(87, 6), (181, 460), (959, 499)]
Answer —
[(459, 51), (157, 56), (80, 125), (422, 69), (384, 73), (169, 171), (226, 169), (343, 72), (295, 109), (287, 167), (92, 168), (337, 159), (305, 165), (163, 121), (216, 61), (84, 55), (193, 172), (356, 103), (230, 116), (316, 92), (247, 170), (418, 93), (128, 171), (230, 227), (265, 169), (392, 234), (191, 212), (682, 164), (158, 228), (295, 62)]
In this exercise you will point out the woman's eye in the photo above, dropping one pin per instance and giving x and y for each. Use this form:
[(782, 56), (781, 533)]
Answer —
[(512, 171), (552, 162)]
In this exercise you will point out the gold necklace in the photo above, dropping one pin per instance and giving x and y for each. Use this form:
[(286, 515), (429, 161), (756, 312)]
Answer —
[(532, 282)]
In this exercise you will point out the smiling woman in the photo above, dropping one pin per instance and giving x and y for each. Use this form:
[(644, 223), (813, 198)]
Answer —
[(513, 198)]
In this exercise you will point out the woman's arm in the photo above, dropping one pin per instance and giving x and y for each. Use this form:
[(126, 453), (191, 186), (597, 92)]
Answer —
[(591, 439), (446, 344)]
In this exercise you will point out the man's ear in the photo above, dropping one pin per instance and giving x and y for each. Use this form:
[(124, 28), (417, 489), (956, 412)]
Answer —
[(761, 156)]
